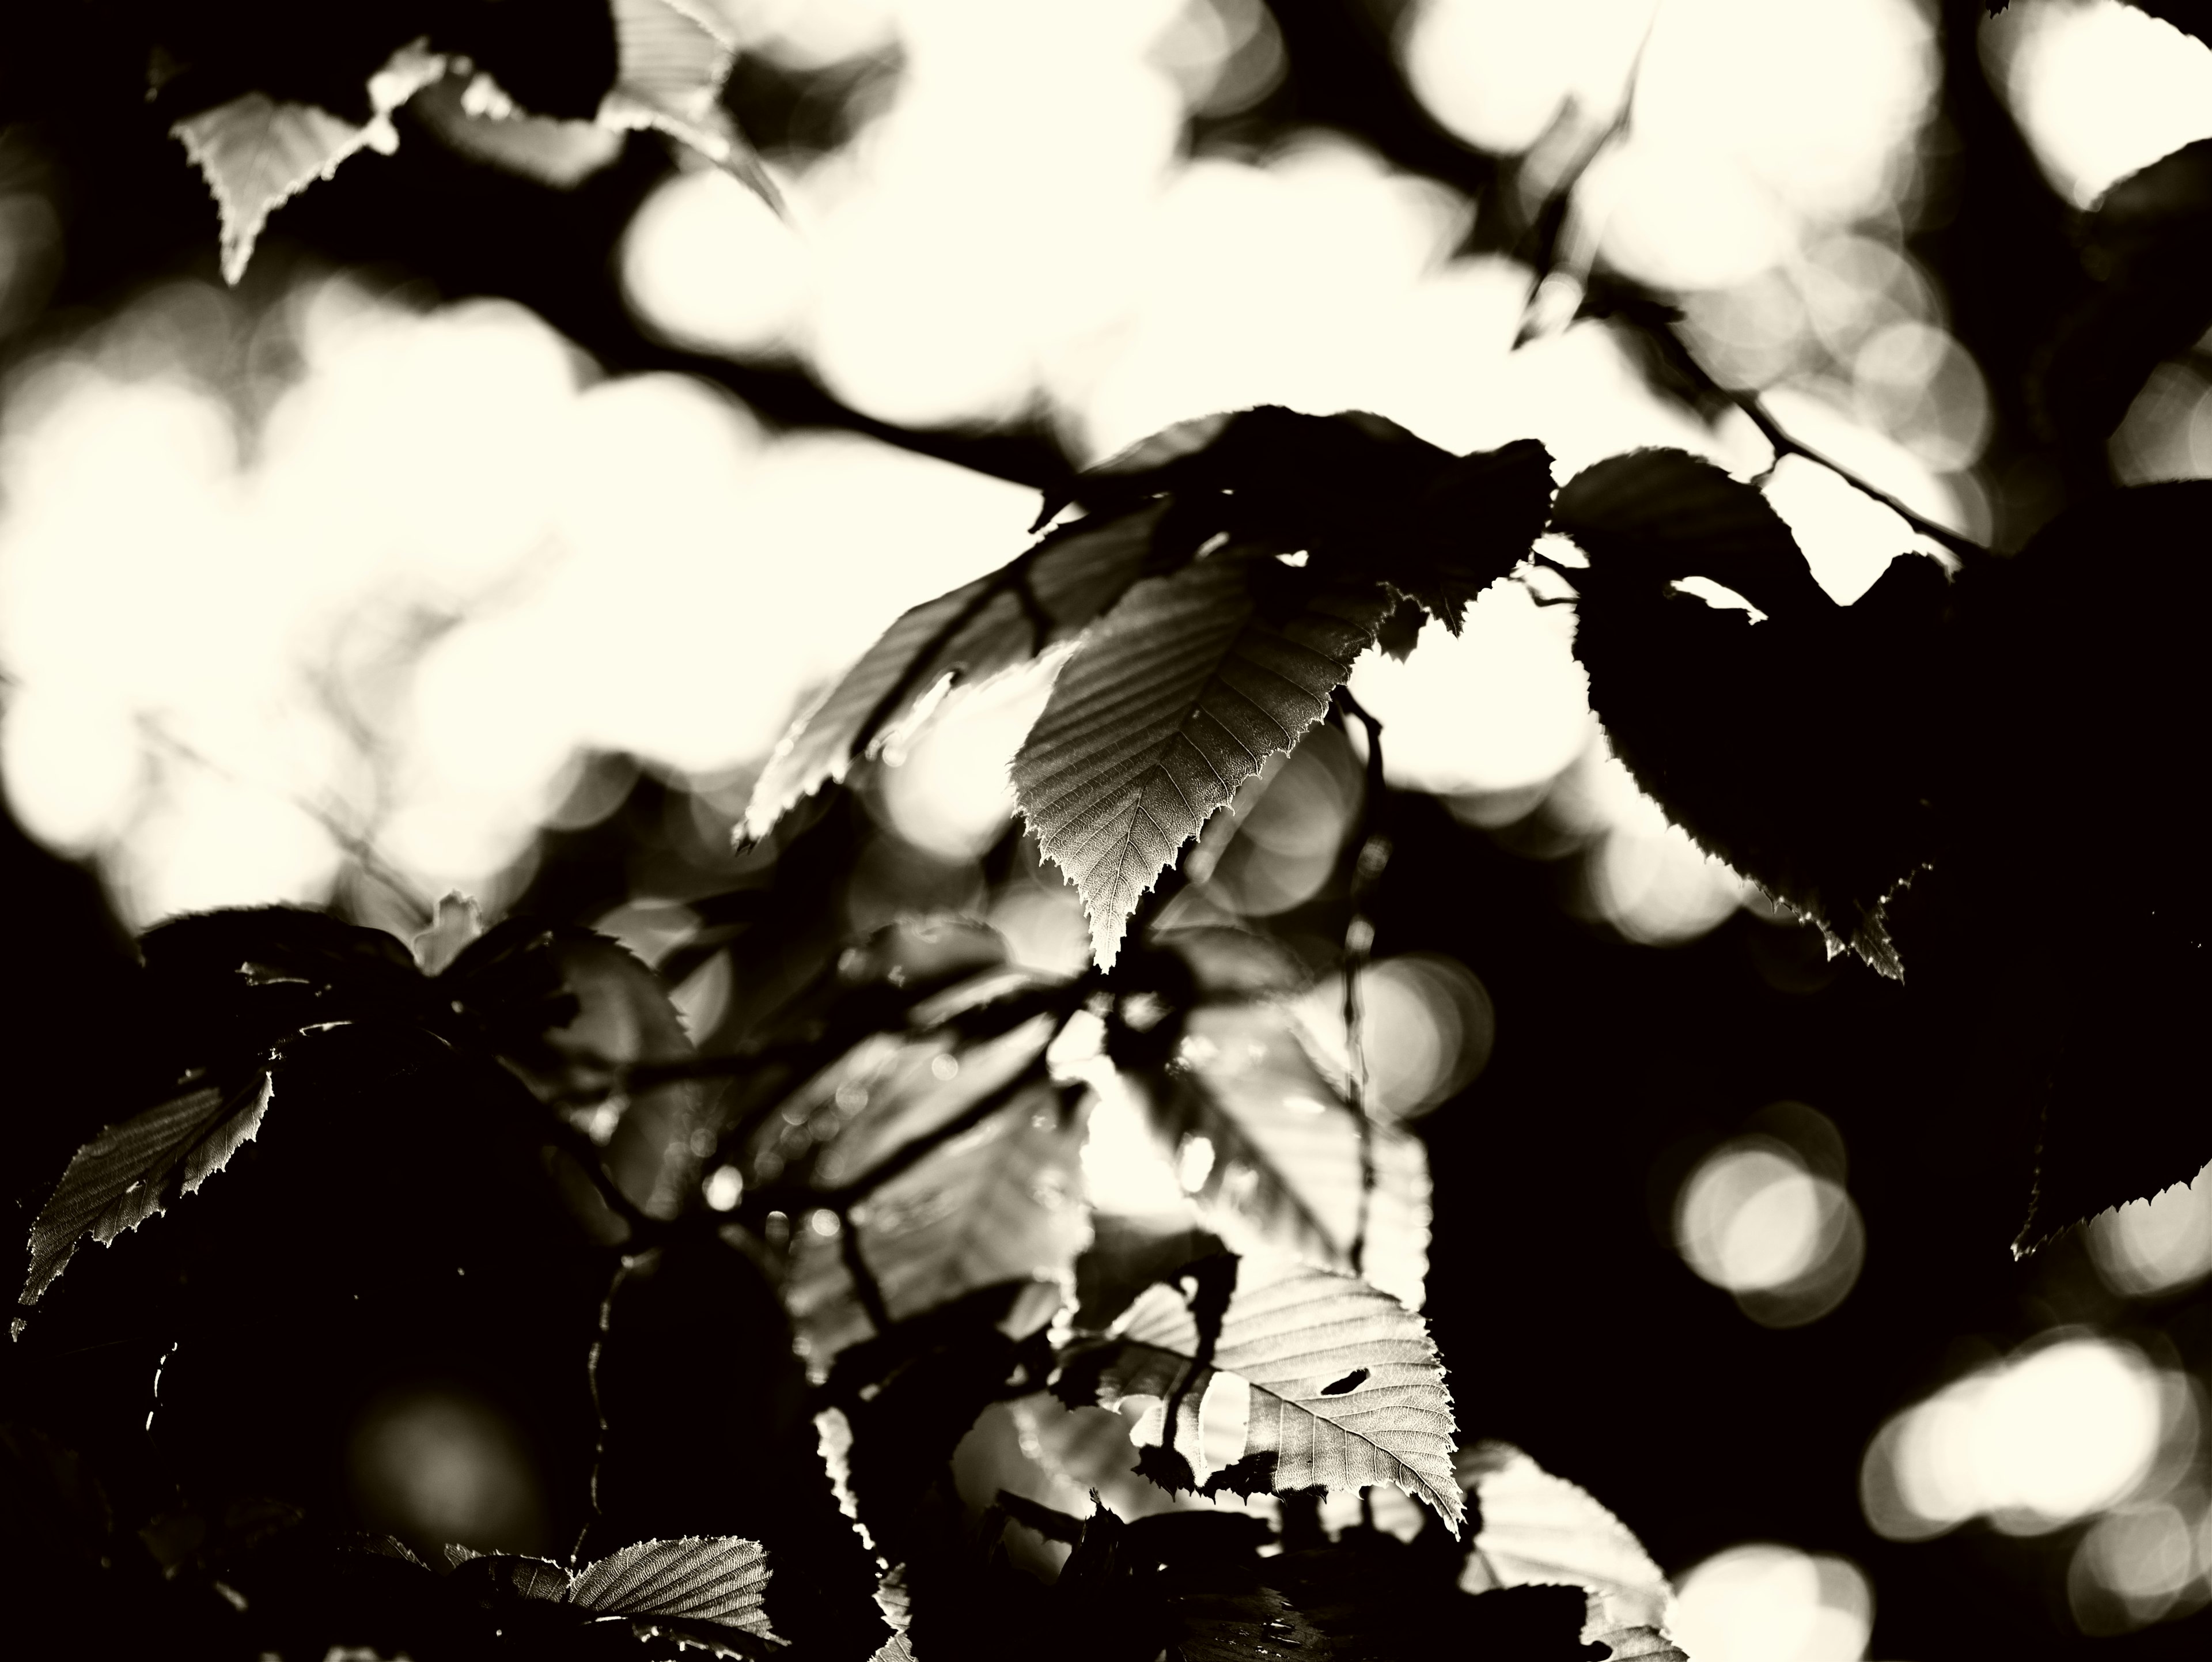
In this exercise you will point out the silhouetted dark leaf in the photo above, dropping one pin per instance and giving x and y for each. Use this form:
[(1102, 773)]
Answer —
[(258, 152), (2072, 711), (1360, 494), (1125, 1256), (1175, 701), (909, 1395), (1541, 1530), (129, 1171), (1800, 748), (2147, 244), (572, 1011), (2194, 16), (1289, 1331)]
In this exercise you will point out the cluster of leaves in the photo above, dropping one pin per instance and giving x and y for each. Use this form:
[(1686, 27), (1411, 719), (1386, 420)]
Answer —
[(500, 1151), (1225, 574), (264, 108), (899, 1150), (503, 1153)]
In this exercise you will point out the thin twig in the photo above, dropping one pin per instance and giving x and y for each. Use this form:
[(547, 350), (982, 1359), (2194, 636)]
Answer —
[(1374, 854), (599, 1409), (864, 1278), (645, 1229), (842, 1199), (356, 847), (1784, 445)]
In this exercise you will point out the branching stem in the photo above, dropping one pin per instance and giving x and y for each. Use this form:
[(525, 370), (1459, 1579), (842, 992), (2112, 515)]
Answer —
[(1782, 444)]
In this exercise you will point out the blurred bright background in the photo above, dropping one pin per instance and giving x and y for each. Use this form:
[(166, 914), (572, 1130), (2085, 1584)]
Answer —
[(349, 589)]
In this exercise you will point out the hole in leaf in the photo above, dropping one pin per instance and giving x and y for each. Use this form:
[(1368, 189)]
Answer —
[(1351, 1381)]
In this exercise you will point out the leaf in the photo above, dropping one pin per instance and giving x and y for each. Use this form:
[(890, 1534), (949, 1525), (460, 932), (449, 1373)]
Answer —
[(571, 1011), (1363, 496), (1047, 597), (1802, 749), (1659, 515), (672, 58), (2144, 244), (1367, 500), (2071, 707), (124, 1176), (1284, 1167), (718, 1579), (1541, 1530), (910, 1394), (1189, 686), (257, 153), (1289, 1332), (1001, 1202), (704, 1587)]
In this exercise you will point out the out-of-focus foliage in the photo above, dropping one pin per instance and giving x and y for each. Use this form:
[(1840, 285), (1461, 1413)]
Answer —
[(836, 1199)]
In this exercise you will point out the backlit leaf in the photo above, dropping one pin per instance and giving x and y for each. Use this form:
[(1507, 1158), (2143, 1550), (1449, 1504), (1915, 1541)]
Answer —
[(1281, 1160), (708, 1589), (672, 58), (257, 152), (129, 1171), (1047, 597), (1001, 1202), (1191, 683), (1541, 1530), (1290, 1332), (720, 1579)]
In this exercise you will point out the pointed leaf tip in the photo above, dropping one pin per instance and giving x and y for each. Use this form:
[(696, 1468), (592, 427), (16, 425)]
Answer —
[(1187, 687), (1542, 1530), (257, 152), (123, 1177)]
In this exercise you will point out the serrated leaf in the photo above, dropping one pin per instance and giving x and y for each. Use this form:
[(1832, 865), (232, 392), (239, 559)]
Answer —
[(1801, 748), (1365, 497), (1047, 597), (1542, 1530), (1296, 1335), (1001, 1202), (1283, 1165), (1177, 698), (122, 1176), (720, 1579), (257, 152), (672, 58), (700, 1585), (1659, 515)]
